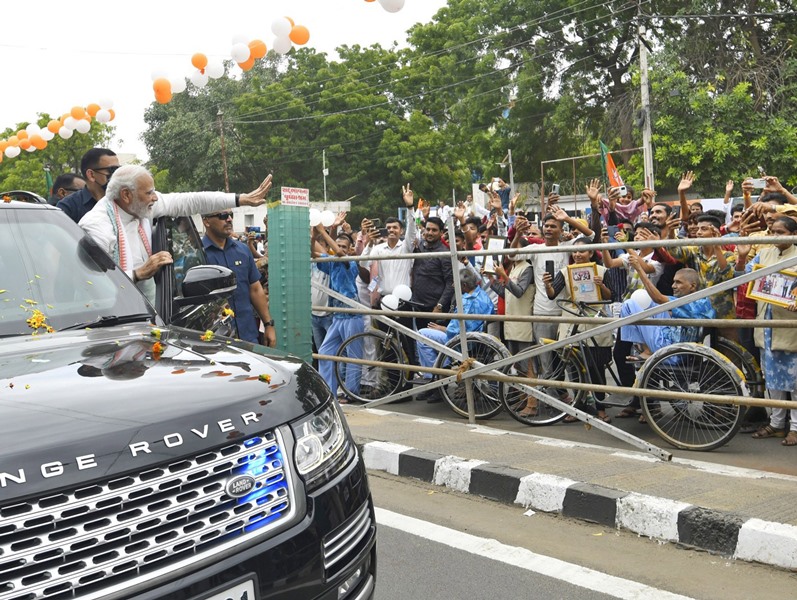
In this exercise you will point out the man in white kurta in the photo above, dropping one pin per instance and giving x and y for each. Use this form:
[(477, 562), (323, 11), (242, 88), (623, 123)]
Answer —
[(121, 222)]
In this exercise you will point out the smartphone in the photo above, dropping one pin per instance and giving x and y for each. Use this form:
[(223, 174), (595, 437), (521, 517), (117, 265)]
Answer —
[(759, 183), (383, 232), (555, 188), (623, 191), (376, 223), (549, 267), (612, 230)]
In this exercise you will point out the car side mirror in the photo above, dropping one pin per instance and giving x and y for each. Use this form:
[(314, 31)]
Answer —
[(204, 283)]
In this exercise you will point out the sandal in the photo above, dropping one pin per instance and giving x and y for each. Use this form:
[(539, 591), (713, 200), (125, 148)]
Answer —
[(529, 411), (767, 431), (605, 418), (570, 419), (629, 412), (791, 439)]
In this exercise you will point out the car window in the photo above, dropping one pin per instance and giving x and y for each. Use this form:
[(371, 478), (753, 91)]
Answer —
[(185, 246), (48, 264)]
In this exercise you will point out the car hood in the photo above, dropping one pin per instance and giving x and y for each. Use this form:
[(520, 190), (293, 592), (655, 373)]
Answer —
[(130, 397)]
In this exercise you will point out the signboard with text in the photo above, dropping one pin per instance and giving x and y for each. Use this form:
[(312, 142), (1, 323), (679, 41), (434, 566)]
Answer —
[(295, 196)]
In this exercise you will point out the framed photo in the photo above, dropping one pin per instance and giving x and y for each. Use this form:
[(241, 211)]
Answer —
[(494, 243), (778, 288), (581, 280)]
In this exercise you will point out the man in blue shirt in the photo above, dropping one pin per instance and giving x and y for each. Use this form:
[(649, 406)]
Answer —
[(221, 248), (97, 166), (651, 337), (475, 302), (342, 279)]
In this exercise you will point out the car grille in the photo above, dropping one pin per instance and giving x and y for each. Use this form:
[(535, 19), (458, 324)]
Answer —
[(81, 543), (347, 541)]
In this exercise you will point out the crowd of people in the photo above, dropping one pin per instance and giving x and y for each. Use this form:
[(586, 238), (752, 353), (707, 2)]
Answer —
[(116, 205)]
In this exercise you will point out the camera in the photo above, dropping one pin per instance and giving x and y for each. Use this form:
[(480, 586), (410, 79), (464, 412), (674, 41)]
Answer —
[(555, 189), (623, 191), (383, 232)]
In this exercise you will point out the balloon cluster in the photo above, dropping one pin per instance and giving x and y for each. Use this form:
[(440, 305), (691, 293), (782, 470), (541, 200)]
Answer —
[(78, 119), (391, 6), (325, 218), (243, 51)]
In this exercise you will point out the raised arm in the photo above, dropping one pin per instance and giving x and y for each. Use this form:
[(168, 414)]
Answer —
[(685, 183)]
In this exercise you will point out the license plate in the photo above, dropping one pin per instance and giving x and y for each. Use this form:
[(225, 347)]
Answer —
[(243, 591)]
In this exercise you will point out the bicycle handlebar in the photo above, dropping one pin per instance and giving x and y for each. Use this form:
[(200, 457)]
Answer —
[(580, 305)]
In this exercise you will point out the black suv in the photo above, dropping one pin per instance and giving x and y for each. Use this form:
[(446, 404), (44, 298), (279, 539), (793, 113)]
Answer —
[(141, 460)]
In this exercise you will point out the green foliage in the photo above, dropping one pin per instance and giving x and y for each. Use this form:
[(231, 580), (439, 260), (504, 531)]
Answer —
[(26, 171)]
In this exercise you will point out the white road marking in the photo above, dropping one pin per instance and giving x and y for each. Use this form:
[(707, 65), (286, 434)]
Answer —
[(524, 559)]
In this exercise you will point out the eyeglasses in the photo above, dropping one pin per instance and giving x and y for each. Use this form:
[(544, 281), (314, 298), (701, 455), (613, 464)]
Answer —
[(110, 170), (223, 216)]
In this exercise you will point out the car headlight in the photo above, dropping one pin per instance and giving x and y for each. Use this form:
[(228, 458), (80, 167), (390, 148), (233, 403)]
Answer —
[(321, 444)]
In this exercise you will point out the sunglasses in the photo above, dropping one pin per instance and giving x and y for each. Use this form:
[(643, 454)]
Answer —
[(223, 216), (110, 170)]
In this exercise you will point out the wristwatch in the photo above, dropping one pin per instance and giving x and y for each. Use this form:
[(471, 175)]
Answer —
[(269, 323)]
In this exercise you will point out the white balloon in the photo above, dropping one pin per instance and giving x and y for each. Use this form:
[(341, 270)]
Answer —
[(12, 151), (281, 27), (65, 132), (642, 299), (327, 218), (390, 302), (315, 217), (47, 135), (33, 129), (103, 116), (83, 126), (402, 292), (215, 69), (392, 6), (240, 38), (70, 122), (240, 53), (178, 84), (31, 148), (159, 74), (106, 103), (282, 45), (199, 79)]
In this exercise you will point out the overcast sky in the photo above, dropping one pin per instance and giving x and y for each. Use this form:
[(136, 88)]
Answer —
[(56, 54)]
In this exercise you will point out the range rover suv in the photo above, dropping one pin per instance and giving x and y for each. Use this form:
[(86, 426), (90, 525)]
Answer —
[(141, 460)]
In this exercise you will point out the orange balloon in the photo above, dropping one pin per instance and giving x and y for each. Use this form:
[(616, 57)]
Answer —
[(64, 116), (3, 146), (24, 144), (163, 96), (248, 64), (199, 60), (92, 109), (299, 35), (13, 141), (113, 114), (291, 21), (54, 125), (38, 141), (257, 49), (22, 134), (78, 112), (162, 86)]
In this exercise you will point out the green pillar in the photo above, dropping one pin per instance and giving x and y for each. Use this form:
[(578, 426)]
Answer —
[(289, 278)]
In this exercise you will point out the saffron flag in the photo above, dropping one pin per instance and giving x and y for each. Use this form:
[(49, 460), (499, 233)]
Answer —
[(609, 169)]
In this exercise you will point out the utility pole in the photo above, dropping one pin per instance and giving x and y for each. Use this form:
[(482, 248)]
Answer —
[(647, 132), (511, 170), (325, 172), (219, 115)]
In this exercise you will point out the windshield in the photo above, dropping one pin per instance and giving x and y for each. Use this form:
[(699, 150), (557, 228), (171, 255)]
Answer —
[(54, 277)]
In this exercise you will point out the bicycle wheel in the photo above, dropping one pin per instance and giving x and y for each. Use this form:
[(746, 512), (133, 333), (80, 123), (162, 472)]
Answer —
[(745, 362), (374, 382), (516, 400), (486, 397), (692, 368)]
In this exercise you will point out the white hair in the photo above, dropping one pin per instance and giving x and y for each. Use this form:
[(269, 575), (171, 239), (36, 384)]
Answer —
[(124, 178)]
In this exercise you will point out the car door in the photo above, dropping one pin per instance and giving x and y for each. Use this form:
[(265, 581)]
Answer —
[(179, 236)]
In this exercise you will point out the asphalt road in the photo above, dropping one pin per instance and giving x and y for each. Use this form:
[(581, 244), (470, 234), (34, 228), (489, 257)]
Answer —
[(437, 544), (741, 451)]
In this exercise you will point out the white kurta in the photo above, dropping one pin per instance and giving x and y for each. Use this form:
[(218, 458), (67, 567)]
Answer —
[(100, 227)]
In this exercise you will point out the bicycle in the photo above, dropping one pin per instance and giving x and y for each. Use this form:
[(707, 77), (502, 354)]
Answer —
[(718, 366)]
